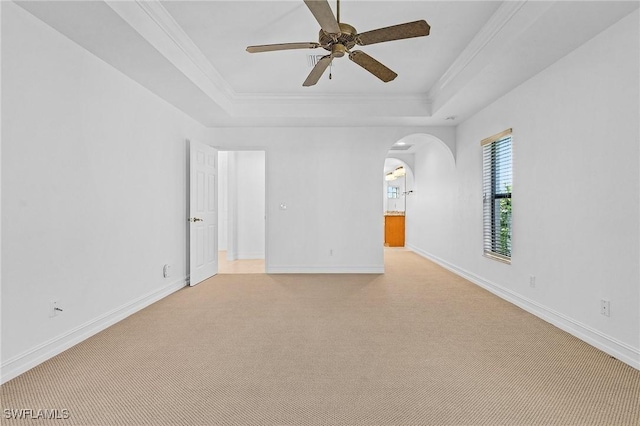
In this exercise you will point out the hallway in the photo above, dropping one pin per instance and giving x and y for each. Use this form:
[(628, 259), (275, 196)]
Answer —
[(242, 266)]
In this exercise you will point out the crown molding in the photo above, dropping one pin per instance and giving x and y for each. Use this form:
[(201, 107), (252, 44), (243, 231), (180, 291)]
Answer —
[(320, 98), (489, 32), (154, 23), (168, 24), (334, 106)]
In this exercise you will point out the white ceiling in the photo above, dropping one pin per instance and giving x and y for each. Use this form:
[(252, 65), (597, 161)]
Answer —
[(192, 54), (418, 61)]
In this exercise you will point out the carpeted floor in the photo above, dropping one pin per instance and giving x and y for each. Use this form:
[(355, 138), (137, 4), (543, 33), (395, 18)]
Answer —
[(415, 346)]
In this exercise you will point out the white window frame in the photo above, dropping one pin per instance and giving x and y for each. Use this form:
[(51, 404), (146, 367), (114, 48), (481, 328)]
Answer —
[(497, 172), (393, 192)]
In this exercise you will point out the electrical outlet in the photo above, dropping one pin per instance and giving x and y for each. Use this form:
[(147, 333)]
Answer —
[(605, 308), (166, 271), (532, 281)]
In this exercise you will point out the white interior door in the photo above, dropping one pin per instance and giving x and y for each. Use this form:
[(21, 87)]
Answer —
[(203, 210)]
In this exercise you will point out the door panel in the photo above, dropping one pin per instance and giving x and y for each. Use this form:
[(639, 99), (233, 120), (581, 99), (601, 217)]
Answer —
[(203, 220)]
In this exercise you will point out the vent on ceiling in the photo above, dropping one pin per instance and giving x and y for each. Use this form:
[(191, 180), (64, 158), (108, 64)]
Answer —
[(400, 147), (312, 60)]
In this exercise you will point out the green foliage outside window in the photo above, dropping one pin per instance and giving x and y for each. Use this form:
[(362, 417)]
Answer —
[(505, 224)]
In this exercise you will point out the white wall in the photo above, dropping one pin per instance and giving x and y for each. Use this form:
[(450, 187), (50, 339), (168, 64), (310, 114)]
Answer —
[(251, 204), (223, 199), (93, 195), (575, 204), (312, 170), (246, 211)]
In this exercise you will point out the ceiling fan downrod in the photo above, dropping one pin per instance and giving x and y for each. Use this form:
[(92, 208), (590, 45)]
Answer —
[(339, 39)]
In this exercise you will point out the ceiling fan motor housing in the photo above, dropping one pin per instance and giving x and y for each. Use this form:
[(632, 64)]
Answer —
[(345, 41), (338, 50), (339, 39)]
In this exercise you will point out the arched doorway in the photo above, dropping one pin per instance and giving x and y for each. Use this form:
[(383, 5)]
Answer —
[(402, 211), (397, 186)]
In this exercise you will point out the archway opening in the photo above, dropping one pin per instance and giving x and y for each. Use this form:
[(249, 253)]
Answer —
[(397, 184), (401, 197)]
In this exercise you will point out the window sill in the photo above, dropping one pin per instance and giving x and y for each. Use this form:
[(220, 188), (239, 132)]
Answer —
[(498, 257)]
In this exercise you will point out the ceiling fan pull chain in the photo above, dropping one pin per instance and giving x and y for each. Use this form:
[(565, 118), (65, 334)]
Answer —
[(339, 38)]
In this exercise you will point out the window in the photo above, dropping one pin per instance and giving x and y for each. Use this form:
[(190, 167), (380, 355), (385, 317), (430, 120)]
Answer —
[(497, 188), (393, 192)]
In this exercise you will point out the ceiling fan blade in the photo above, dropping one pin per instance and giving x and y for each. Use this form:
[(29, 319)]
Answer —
[(324, 15), (281, 46), (317, 71), (373, 66), (395, 32)]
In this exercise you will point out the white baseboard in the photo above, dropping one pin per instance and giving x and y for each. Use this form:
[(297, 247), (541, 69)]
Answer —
[(27, 360), (330, 269), (249, 255), (607, 344)]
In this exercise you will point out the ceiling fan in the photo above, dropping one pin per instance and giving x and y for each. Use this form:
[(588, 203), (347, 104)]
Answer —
[(339, 38)]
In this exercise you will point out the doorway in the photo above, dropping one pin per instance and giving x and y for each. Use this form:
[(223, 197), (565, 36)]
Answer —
[(397, 183), (241, 212)]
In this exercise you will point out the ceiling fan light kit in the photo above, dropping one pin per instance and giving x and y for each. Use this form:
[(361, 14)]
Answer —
[(339, 38)]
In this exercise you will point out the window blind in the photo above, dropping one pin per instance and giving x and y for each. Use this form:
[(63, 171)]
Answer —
[(497, 189)]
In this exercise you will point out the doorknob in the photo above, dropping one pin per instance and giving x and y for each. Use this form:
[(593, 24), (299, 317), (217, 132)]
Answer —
[(195, 219)]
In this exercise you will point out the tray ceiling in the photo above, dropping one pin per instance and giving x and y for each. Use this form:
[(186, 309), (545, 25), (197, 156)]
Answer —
[(192, 54)]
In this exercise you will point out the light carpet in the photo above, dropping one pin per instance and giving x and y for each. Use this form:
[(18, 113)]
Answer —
[(415, 346)]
